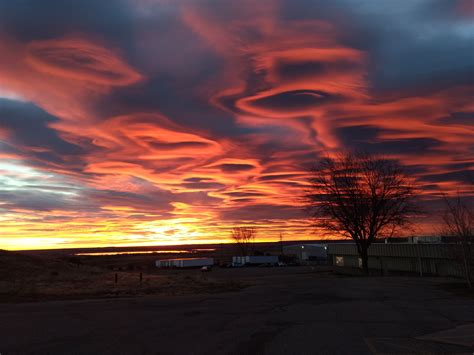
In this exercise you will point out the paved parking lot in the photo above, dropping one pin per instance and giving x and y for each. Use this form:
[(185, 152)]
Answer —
[(284, 311)]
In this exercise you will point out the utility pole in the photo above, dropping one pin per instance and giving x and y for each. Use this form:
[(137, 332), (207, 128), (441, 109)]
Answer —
[(281, 243)]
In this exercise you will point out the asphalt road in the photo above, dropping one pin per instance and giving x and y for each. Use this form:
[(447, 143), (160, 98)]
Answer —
[(286, 311)]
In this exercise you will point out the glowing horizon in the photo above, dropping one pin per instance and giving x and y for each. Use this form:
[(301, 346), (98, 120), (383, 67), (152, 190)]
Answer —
[(171, 122)]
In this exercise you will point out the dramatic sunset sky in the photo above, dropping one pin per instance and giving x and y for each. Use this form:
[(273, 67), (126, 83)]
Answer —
[(128, 122)]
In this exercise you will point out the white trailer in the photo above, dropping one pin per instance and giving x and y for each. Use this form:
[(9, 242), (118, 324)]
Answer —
[(184, 262), (254, 260)]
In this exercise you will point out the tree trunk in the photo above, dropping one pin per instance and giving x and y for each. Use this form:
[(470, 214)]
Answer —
[(466, 255), (365, 259)]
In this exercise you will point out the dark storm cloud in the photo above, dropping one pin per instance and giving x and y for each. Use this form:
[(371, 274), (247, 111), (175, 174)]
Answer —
[(463, 176), (366, 138), (353, 135), (31, 19), (229, 168), (27, 125), (415, 41), (155, 200), (306, 69), (207, 185), (278, 177), (297, 99), (460, 166), (409, 146), (422, 43), (261, 212), (463, 118), (40, 199), (174, 97)]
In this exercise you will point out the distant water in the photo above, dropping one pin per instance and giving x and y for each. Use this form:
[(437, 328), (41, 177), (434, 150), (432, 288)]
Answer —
[(182, 251)]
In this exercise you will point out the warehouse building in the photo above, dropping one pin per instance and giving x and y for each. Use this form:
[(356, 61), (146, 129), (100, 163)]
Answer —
[(307, 253), (421, 258)]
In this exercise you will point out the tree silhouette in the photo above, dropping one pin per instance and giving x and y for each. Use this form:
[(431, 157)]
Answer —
[(458, 220), (244, 237), (360, 196)]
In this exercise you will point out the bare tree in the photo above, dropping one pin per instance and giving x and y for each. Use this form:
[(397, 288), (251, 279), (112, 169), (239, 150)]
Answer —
[(360, 196), (244, 237), (458, 220)]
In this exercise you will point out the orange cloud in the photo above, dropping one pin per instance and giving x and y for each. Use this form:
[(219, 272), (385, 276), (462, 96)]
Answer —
[(79, 59), (65, 77)]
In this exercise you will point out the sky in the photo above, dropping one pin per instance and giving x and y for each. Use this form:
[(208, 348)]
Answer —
[(153, 122)]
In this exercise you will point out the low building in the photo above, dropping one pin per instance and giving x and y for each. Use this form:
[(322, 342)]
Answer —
[(314, 252), (254, 260), (425, 240), (184, 262), (421, 258)]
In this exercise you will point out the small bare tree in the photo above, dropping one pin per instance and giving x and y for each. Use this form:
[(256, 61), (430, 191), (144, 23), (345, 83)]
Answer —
[(360, 196), (244, 237), (458, 220)]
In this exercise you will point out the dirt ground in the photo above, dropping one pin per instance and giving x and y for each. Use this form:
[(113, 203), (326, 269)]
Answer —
[(25, 278), (291, 310)]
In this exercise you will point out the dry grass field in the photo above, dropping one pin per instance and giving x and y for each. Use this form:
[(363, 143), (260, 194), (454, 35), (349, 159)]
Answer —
[(34, 278)]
